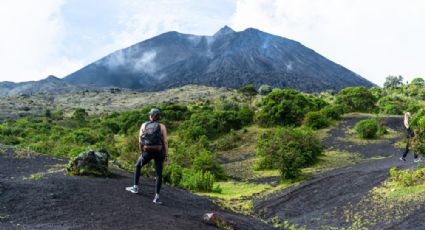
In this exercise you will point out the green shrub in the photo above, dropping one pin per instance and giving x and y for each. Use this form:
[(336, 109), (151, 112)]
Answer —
[(356, 99), (418, 124), (245, 115), (248, 90), (291, 161), (271, 145), (392, 105), (316, 120), (367, 129), (207, 162), (406, 178), (80, 115), (333, 112), (228, 141), (392, 109), (265, 89), (197, 181), (173, 174), (285, 107)]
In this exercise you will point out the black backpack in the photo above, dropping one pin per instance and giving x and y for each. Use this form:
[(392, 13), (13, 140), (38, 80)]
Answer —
[(151, 138)]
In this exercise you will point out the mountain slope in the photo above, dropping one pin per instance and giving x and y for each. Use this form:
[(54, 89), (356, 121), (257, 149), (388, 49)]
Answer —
[(51, 84), (226, 59)]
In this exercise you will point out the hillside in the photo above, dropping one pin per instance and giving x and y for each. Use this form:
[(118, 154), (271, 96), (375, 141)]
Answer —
[(105, 100), (55, 201), (226, 59), (51, 84)]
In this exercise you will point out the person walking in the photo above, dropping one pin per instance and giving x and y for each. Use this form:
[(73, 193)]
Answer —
[(153, 145), (409, 135)]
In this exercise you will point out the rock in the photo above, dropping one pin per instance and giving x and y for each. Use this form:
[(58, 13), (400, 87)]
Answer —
[(89, 163), (215, 219)]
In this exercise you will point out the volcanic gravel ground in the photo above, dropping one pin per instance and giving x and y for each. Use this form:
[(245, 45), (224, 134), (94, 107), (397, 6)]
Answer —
[(319, 202), (57, 201)]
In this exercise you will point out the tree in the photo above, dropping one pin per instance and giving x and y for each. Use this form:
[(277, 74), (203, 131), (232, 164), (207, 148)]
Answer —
[(418, 81), (80, 115), (285, 107), (265, 89), (248, 90), (393, 82), (356, 99)]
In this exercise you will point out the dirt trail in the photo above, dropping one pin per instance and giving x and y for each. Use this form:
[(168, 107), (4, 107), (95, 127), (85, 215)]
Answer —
[(320, 202), (60, 202)]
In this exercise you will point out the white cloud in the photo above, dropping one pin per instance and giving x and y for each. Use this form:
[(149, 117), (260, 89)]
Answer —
[(145, 19), (30, 36), (373, 38)]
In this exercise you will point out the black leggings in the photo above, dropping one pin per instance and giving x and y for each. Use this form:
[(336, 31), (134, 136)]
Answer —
[(143, 160), (406, 151)]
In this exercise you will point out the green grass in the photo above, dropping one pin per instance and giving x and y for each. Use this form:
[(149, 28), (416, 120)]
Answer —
[(35, 176), (57, 168), (415, 191), (401, 144), (391, 202), (238, 196), (233, 189), (323, 133), (351, 136), (332, 160)]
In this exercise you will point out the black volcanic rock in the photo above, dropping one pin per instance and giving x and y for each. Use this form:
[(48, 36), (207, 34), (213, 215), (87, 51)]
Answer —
[(226, 59)]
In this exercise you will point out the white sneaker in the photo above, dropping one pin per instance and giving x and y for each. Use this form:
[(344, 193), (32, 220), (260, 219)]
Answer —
[(157, 201), (417, 160), (133, 189)]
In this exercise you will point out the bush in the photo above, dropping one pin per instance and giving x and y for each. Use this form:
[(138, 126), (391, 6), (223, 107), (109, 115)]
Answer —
[(197, 181), (392, 109), (291, 161), (367, 129), (173, 174), (265, 89), (392, 105), (418, 124), (207, 162), (356, 99), (285, 107), (80, 115), (228, 141), (300, 140), (248, 90), (333, 112), (245, 115), (316, 120)]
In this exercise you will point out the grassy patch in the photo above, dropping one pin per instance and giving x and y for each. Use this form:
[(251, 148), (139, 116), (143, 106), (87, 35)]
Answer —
[(57, 168), (351, 136), (332, 160), (41, 175), (237, 196), (399, 197), (232, 189), (245, 144), (401, 144), (35, 176)]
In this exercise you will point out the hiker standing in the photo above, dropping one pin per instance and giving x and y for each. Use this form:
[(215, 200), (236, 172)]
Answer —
[(409, 135), (153, 145)]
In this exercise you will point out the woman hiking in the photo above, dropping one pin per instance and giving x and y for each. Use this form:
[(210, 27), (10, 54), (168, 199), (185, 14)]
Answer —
[(409, 135), (153, 145)]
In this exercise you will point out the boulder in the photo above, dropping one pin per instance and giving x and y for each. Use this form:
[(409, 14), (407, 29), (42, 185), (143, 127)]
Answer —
[(90, 162), (217, 220)]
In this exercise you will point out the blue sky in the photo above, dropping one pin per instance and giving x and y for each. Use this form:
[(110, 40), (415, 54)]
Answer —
[(372, 38)]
